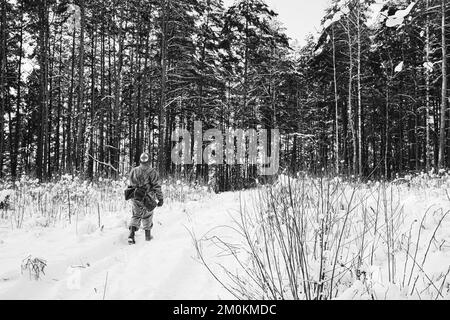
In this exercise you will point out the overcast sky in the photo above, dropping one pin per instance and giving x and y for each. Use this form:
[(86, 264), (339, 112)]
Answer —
[(300, 17)]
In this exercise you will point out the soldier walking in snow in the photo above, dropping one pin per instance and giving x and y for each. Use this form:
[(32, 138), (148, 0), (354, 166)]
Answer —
[(145, 192)]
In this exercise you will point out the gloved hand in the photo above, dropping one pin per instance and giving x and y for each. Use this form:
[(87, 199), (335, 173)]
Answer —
[(160, 203)]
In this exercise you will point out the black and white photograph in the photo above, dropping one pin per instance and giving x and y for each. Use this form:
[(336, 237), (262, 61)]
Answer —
[(225, 150)]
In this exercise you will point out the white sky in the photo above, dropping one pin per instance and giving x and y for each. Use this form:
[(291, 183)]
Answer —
[(299, 17)]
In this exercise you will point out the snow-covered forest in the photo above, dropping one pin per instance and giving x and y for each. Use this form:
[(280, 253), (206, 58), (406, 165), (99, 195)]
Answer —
[(87, 85), (359, 208)]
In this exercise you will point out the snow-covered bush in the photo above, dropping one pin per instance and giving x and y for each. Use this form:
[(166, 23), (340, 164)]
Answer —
[(70, 199), (327, 239), (178, 190)]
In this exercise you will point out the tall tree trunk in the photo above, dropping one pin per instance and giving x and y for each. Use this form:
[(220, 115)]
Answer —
[(132, 110), (336, 110), (69, 137), (139, 119), (349, 104), (162, 112), (51, 77), (90, 127), (428, 143), (109, 116), (80, 100), (3, 88), (442, 134), (17, 131), (118, 96), (57, 157), (360, 134), (101, 114), (41, 160)]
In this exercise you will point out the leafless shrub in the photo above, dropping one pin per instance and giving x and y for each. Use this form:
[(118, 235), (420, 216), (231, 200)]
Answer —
[(34, 266), (312, 239)]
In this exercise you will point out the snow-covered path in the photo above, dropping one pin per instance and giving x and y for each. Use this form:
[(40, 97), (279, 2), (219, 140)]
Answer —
[(81, 266)]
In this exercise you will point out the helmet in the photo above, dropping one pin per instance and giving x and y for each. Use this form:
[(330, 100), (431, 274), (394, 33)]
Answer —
[(145, 158)]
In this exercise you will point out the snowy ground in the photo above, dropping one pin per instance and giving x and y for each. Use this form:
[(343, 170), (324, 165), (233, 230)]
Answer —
[(80, 266), (88, 262)]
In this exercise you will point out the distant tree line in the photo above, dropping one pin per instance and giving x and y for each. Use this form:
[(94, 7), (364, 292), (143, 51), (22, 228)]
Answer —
[(87, 86)]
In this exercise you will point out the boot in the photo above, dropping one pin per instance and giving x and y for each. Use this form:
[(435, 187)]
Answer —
[(131, 239), (148, 235)]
